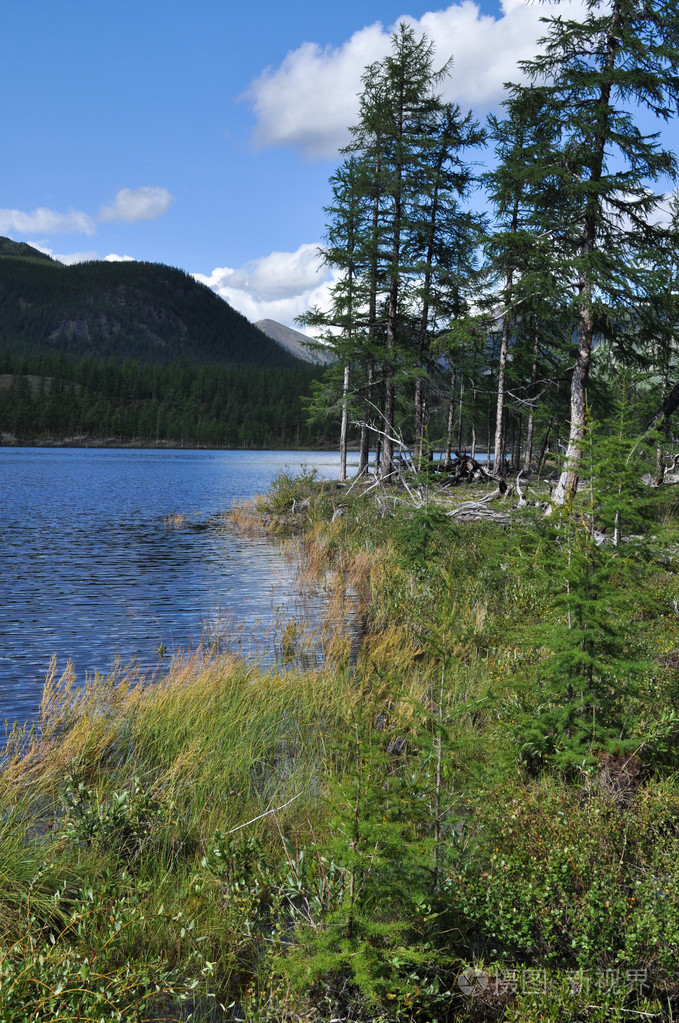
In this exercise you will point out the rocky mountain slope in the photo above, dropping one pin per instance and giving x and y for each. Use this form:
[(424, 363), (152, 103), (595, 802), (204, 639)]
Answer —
[(294, 342)]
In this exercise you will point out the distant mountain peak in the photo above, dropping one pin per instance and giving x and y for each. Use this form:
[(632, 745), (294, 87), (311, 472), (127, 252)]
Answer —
[(294, 341), (21, 250)]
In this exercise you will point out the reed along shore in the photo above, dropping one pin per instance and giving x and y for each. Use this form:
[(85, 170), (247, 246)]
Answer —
[(473, 816)]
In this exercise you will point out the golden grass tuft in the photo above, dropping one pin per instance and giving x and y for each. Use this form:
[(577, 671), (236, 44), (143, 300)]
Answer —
[(222, 738), (361, 572), (245, 518), (176, 520)]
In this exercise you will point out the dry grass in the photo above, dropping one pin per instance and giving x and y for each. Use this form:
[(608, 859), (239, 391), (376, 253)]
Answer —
[(361, 573), (222, 738), (176, 520), (245, 518)]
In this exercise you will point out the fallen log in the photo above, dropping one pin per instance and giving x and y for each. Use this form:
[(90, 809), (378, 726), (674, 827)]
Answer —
[(465, 469)]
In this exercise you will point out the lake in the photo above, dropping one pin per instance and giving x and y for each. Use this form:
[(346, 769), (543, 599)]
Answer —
[(91, 571)]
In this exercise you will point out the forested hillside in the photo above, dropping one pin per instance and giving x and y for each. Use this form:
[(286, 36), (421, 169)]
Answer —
[(138, 352), (55, 398), (123, 310)]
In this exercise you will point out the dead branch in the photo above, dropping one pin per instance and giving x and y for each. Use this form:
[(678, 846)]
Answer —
[(670, 475), (473, 511)]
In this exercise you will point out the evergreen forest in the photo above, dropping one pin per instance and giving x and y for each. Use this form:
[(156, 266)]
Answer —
[(126, 353), (49, 399), (497, 281)]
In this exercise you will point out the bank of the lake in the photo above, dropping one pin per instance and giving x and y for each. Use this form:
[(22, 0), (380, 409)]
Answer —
[(420, 834), (138, 443), (97, 567)]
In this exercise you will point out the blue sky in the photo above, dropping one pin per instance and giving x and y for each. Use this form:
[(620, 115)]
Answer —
[(202, 134)]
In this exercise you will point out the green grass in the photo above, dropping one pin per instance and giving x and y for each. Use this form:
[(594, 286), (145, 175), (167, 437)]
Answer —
[(345, 841)]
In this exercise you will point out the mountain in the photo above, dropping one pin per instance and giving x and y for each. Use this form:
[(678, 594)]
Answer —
[(294, 342), (131, 353), (125, 310), (20, 250)]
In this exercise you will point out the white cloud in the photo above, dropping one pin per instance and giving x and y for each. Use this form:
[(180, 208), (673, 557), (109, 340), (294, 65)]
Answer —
[(279, 286), (46, 221), (69, 258), (130, 205), (665, 210), (308, 102), (134, 204)]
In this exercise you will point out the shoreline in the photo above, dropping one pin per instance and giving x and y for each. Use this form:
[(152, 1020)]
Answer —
[(348, 840), (8, 441)]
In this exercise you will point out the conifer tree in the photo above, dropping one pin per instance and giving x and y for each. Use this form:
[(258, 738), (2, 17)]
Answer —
[(520, 252), (659, 325), (596, 75), (443, 241), (397, 107), (401, 189), (341, 325)]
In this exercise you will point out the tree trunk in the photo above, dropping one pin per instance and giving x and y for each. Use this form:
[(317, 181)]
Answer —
[(392, 317), (531, 394), (498, 466), (567, 486), (364, 455), (451, 418), (421, 382), (387, 467), (543, 449), (516, 457), (344, 424), (459, 417), (665, 429)]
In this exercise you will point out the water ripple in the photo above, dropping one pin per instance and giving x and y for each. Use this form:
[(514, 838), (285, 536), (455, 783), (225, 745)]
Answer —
[(90, 571)]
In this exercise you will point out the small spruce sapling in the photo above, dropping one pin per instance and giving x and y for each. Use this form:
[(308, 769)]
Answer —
[(374, 946), (590, 572)]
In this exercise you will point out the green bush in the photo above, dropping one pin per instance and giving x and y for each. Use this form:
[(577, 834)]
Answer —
[(126, 823), (82, 970), (288, 489)]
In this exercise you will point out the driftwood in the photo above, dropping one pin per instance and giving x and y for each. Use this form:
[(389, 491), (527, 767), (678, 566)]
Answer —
[(473, 511), (465, 469), (669, 478)]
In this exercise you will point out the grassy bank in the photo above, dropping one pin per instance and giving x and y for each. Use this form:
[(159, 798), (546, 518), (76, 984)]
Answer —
[(473, 818)]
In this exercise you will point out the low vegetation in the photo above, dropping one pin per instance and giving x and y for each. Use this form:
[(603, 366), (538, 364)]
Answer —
[(473, 816)]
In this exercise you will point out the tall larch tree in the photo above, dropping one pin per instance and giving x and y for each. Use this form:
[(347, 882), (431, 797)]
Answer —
[(520, 253), (601, 75), (399, 267)]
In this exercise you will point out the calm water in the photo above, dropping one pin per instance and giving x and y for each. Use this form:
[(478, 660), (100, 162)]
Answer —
[(90, 571)]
